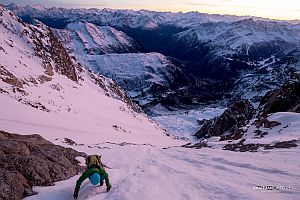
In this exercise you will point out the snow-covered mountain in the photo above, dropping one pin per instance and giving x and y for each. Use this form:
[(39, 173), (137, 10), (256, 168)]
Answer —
[(144, 76), (223, 48), (147, 77), (143, 19), (247, 37), (87, 38), (41, 86), (244, 31)]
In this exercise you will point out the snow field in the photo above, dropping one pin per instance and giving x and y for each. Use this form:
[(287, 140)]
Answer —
[(146, 172)]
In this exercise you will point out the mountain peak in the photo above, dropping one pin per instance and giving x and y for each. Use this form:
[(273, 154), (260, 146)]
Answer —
[(38, 6), (246, 21), (11, 6)]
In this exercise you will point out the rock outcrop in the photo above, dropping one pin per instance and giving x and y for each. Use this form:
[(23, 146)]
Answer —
[(30, 160), (283, 99), (228, 124), (250, 147)]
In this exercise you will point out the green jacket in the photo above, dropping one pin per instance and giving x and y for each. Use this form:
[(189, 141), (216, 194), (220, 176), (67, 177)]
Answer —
[(100, 170)]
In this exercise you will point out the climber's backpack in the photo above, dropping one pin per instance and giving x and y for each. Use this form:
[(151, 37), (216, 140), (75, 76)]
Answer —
[(93, 161)]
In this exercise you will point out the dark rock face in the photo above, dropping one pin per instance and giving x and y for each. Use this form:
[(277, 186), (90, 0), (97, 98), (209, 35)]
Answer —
[(64, 64), (9, 78), (284, 99), (196, 146), (264, 122), (14, 185), (31, 160), (62, 61), (229, 122), (241, 147)]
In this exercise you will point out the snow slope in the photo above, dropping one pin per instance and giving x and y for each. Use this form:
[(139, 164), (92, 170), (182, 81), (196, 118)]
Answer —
[(87, 38), (150, 172), (184, 123), (147, 172), (287, 130)]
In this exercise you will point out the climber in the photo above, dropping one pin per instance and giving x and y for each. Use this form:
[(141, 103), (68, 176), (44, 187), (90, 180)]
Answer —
[(95, 172)]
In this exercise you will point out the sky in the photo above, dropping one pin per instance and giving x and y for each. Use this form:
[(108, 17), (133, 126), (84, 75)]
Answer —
[(275, 9)]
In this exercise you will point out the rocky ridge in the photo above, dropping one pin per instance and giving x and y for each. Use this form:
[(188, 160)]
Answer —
[(228, 124)]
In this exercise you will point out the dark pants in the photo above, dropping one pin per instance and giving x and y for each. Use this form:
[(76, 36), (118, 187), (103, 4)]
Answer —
[(101, 180)]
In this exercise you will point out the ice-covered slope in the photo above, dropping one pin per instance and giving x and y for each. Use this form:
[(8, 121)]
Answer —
[(87, 38), (43, 90)]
